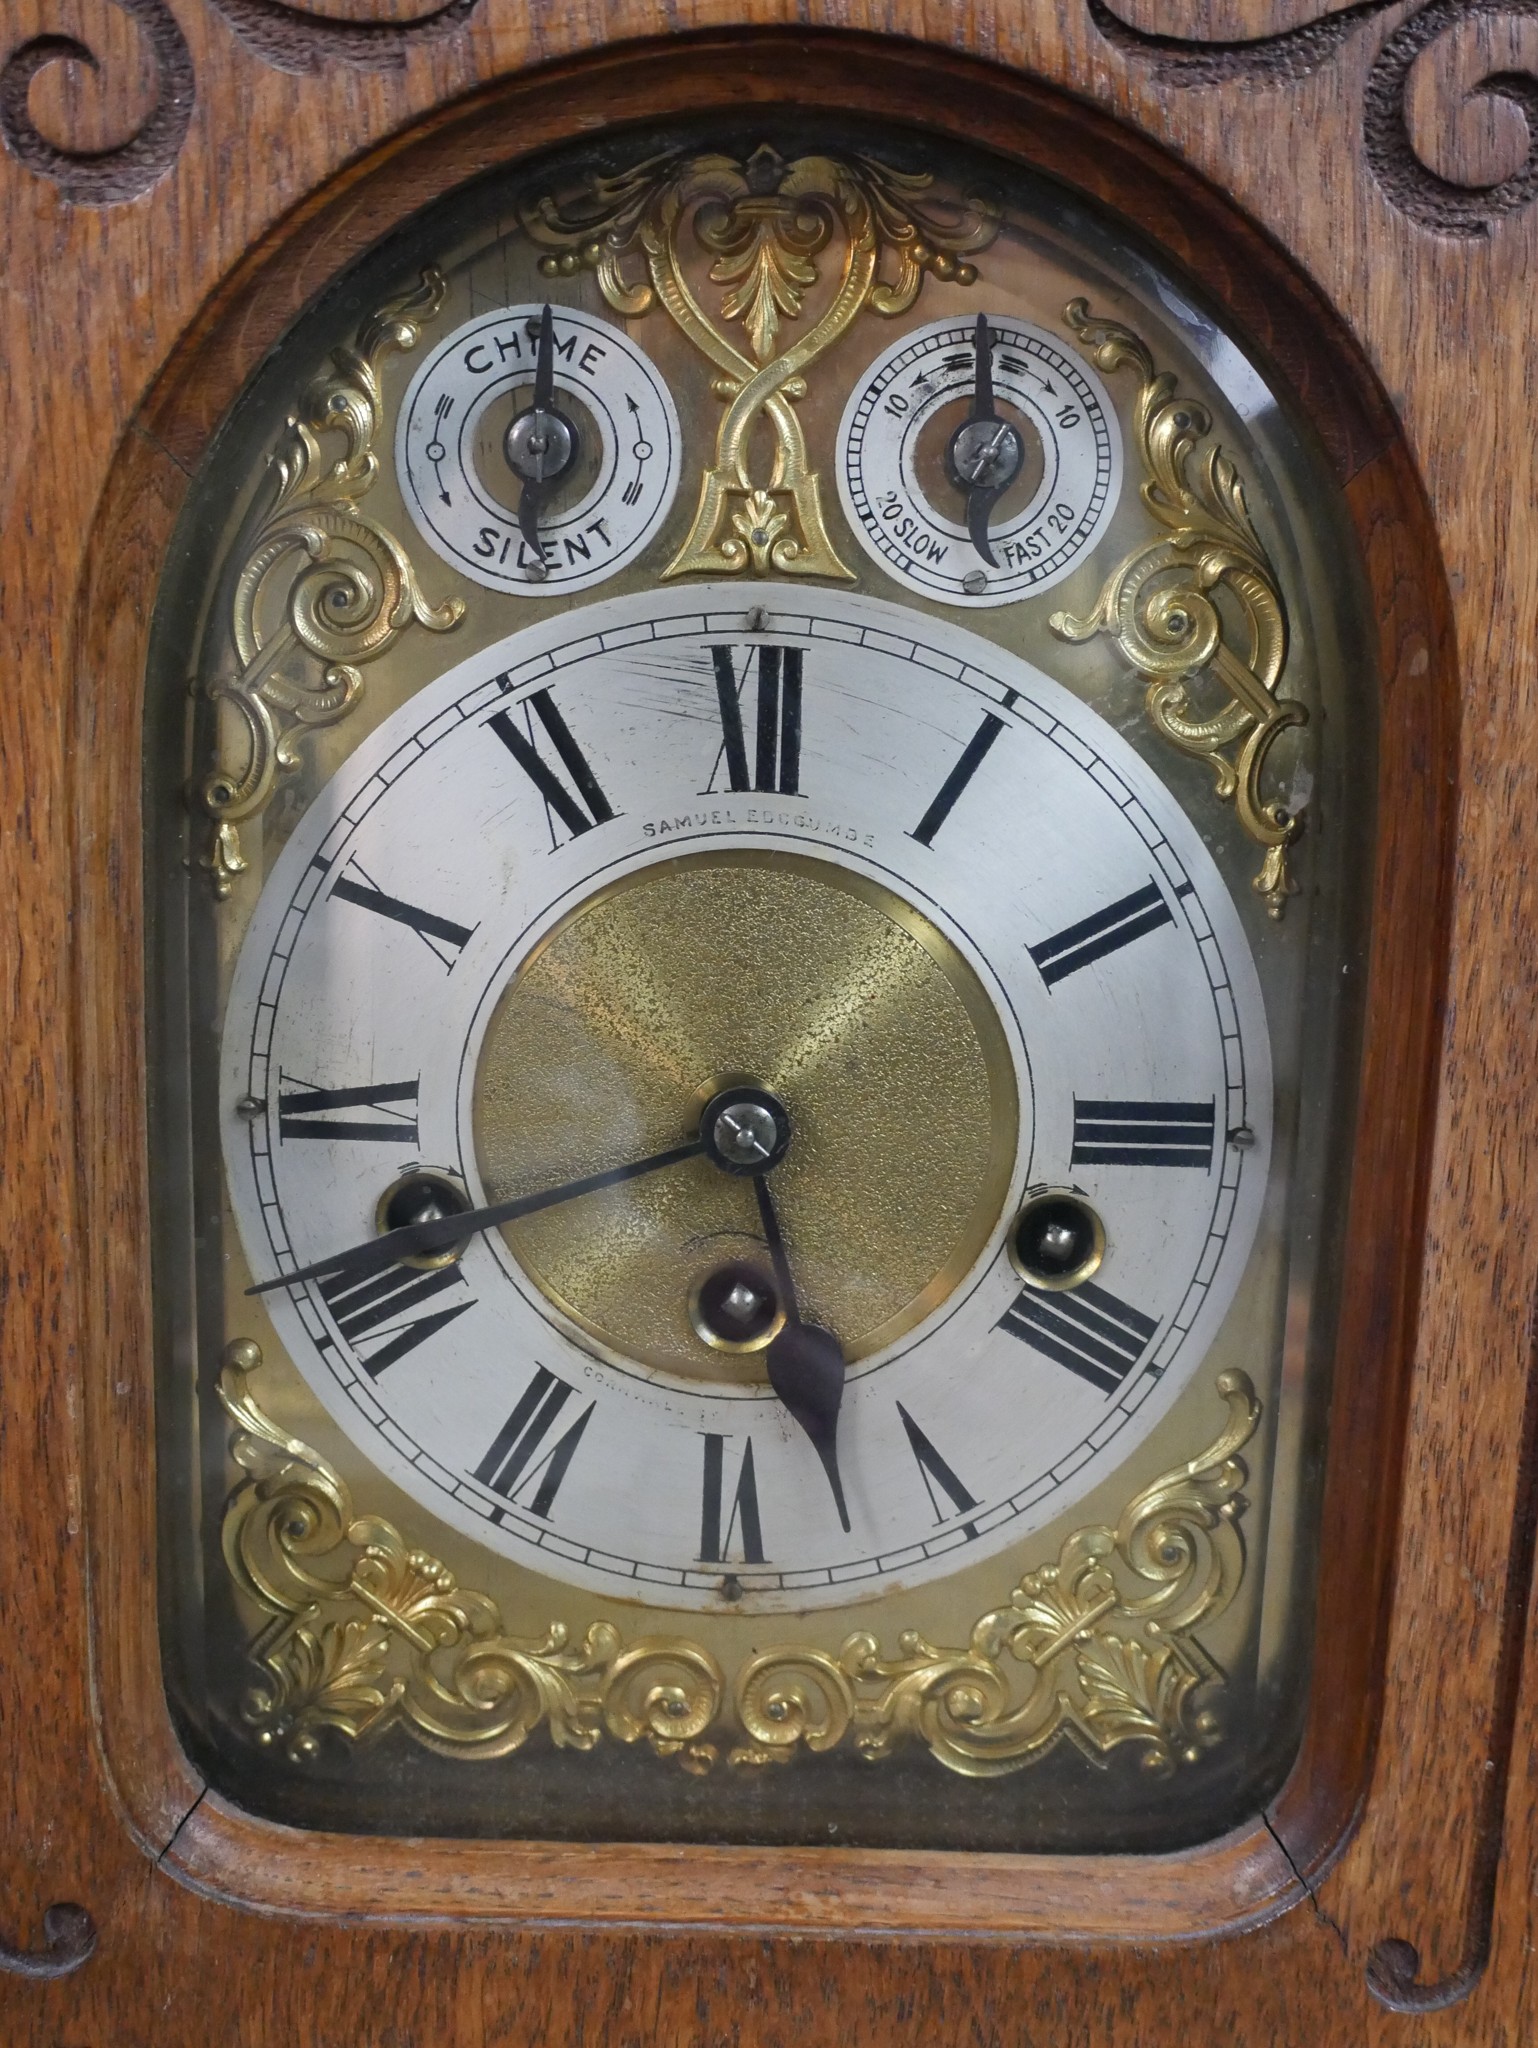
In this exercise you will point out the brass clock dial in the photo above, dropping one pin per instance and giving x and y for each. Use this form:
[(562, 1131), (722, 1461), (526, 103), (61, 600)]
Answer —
[(749, 1041), (635, 962)]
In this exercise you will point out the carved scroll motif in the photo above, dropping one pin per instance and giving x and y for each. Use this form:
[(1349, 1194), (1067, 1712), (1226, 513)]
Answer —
[(364, 1633), (302, 39), (764, 225), (103, 177), (1294, 54), (306, 39), (69, 1939)]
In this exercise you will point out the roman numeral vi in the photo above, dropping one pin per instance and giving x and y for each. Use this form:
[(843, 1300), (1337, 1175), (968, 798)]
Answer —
[(716, 1541)]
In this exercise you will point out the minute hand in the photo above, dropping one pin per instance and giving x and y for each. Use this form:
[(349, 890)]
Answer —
[(438, 1233)]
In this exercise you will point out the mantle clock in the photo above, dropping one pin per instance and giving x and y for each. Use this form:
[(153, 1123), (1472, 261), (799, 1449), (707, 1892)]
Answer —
[(768, 790)]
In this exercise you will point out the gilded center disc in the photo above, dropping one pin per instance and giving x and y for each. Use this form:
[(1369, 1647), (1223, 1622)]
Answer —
[(803, 979)]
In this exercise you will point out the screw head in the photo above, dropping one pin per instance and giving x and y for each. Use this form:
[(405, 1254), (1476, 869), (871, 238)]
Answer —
[(745, 1133), (539, 446), (989, 453), (744, 1130)]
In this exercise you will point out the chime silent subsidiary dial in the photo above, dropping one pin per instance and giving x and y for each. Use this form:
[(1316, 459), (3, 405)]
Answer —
[(538, 450)]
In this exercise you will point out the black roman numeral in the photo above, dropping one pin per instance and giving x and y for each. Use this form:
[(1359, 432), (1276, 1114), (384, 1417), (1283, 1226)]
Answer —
[(716, 1543), (513, 1461), (444, 939), (934, 1472), (561, 800), (777, 720), (971, 760), (305, 1112), (364, 1309), (1106, 932), (1089, 1331), (1143, 1133)]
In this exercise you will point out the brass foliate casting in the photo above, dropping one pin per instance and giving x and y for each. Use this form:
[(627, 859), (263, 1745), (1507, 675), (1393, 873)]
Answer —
[(319, 590), (1098, 1646), (765, 223), (365, 1633), (1161, 605)]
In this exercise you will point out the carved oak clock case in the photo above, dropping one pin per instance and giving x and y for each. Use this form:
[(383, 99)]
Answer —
[(768, 1272)]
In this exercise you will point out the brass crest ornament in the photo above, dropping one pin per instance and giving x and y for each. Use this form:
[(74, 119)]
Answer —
[(1161, 605), (363, 1633), (320, 589), (764, 223)]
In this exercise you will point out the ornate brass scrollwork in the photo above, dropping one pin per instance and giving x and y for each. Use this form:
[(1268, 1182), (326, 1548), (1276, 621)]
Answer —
[(366, 1632), (765, 223), (1161, 603), (319, 589)]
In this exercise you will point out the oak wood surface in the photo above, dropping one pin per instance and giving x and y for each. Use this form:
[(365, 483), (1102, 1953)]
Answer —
[(1229, 1885), (98, 297)]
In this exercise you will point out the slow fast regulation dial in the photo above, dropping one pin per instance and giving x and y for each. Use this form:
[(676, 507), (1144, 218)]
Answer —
[(538, 450), (702, 1106), (978, 461)]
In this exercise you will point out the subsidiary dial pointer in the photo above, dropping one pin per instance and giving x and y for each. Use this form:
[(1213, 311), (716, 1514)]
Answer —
[(541, 443), (986, 452)]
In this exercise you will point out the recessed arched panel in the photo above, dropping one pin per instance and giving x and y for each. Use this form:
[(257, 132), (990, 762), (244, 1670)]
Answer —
[(777, 1165)]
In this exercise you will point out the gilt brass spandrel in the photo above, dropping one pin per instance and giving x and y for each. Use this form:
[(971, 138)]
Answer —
[(1161, 604), (364, 1632), (321, 587), (799, 976)]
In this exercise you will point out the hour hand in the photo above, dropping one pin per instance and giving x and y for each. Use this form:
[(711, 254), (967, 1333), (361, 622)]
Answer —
[(541, 443), (985, 453), (806, 1362)]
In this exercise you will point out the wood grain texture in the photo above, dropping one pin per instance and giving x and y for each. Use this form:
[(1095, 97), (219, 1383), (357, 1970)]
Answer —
[(1235, 1883), (98, 300)]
